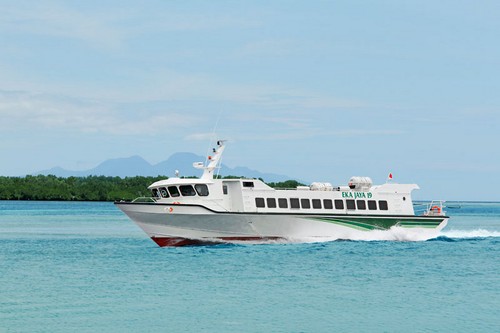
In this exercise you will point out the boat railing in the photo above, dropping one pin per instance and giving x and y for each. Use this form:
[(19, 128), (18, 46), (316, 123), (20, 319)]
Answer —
[(334, 189), (144, 199), (433, 208)]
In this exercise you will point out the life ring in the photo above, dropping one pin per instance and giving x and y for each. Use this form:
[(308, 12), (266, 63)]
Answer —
[(436, 209), (176, 203)]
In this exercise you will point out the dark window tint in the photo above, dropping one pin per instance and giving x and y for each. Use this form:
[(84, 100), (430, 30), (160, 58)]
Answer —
[(224, 189), (271, 203), (316, 203), (361, 204), (174, 192), (305, 203), (163, 192), (259, 202), (202, 189), (327, 203), (187, 190), (382, 204), (350, 204), (155, 193), (372, 205), (339, 204), (247, 184), (294, 203), (282, 203)]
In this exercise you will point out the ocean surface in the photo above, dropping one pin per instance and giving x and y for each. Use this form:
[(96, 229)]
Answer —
[(85, 267)]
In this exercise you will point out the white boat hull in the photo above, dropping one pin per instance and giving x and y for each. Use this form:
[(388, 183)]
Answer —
[(175, 225)]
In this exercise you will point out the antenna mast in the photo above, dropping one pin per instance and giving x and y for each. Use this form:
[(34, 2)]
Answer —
[(213, 161)]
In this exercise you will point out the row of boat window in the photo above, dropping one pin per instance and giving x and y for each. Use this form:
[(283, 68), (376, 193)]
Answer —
[(184, 190), (320, 204)]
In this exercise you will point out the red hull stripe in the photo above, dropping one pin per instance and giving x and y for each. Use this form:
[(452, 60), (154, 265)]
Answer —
[(179, 241)]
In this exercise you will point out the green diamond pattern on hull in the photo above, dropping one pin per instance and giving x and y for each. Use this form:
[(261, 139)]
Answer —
[(380, 223)]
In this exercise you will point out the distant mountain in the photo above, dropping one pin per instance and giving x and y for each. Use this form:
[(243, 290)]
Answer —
[(122, 167), (137, 166), (178, 161)]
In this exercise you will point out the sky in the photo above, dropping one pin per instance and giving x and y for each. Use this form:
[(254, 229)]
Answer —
[(316, 90)]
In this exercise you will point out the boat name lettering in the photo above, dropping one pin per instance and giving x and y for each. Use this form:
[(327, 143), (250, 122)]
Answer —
[(356, 195)]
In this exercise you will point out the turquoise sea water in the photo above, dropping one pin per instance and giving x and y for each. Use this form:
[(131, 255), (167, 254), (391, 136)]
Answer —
[(85, 267)]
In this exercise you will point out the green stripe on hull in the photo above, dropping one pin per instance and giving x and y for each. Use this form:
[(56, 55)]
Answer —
[(418, 226), (380, 223), (348, 223)]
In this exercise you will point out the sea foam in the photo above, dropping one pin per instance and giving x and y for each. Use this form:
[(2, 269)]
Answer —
[(396, 234), (476, 233)]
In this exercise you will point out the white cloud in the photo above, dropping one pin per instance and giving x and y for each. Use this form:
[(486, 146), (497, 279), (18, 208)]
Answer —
[(55, 20), (317, 132), (200, 137), (273, 48), (21, 110), (172, 20), (110, 26), (164, 84), (367, 132)]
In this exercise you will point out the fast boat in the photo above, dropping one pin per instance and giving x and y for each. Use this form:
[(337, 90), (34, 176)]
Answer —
[(209, 209)]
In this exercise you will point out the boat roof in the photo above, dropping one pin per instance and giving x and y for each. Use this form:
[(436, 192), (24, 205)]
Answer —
[(180, 181)]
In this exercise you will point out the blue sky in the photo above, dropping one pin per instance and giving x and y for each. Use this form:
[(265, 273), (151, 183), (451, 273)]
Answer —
[(317, 90)]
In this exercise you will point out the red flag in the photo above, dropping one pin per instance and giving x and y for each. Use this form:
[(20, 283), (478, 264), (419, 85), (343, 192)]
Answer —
[(390, 176)]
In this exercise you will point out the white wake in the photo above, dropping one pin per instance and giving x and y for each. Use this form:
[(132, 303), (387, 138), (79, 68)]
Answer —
[(393, 234), (396, 234), (464, 234), (400, 234)]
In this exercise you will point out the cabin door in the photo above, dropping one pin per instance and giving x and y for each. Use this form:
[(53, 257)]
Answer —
[(232, 190)]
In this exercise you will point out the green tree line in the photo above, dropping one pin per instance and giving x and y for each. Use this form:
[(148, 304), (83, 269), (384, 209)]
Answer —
[(91, 188)]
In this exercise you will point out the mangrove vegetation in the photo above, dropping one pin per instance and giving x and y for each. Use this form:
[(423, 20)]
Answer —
[(90, 188)]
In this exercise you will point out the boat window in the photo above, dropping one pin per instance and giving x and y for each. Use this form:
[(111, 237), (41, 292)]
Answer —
[(187, 190), (271, 203), (174, 192), (305, 203), (155, 193), (361, 204), (247, 184), (294, 203), (327, 203), (339, 204), (224, 189), (202, 190), (382, 204), (163, 192), (259, 202), (282, 203), (316, 203), (372, 205), (350, 204)]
